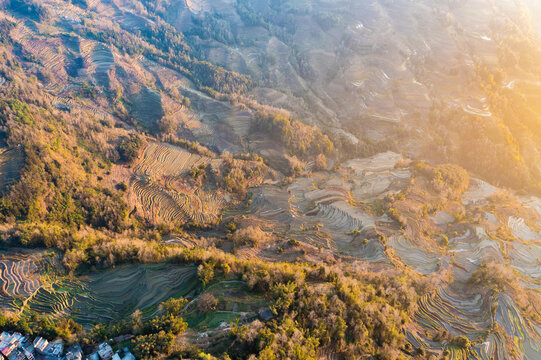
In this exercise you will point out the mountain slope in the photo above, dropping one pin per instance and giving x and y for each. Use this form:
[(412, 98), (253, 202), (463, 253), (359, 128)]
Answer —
[(367, 170)]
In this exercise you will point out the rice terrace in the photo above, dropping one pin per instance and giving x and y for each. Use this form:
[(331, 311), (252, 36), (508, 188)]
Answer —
[(270, 179)]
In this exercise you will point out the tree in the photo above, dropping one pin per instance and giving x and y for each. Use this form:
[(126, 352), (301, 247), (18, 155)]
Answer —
[(168, 323), (252, 235), (129, 147), (206, 303), (205, 272), (174, 306), (149, 346)]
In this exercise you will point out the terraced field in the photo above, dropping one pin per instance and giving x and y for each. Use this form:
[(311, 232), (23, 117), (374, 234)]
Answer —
[(158, 204), (49, 54), (525, 335), (330, 210), (216, 117), (147, 107), (168, 205), (271, 203), (11, 163), (55, 299), (333, 201), (522, 231), (526, 259), (472, 249), (21, 277), (161, 159), (165, 162), (447, 309), (114, 294), (21, 32), (98, 60), (415, 256)]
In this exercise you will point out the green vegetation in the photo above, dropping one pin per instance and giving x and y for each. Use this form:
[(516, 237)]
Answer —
[(20, 110), (251, 235), (299, 139), (129, 147), (267, 253)]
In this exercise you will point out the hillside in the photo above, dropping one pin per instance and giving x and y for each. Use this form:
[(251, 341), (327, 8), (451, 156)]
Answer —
[(273, 179)]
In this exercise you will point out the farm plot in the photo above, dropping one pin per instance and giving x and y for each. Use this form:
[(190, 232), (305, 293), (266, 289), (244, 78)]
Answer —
[(217, 117), (21, 32), (494, 347), (330, 206), (167, 160), (532, 203), (98, 59), (343, 217), (271, 203), (114, 294), (240, 122), (478, 192), (522, 231), (235, 301), (526, 259), (55, 299), (20, 277), (49, 53), (471, 250), (167, 205), (445, 309), (525, 335), (11, 163), (376, 163), (157, 203), (147, 107), (414, 256)]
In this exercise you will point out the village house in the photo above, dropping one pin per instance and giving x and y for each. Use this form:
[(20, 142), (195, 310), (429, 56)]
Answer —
[(15, 346)]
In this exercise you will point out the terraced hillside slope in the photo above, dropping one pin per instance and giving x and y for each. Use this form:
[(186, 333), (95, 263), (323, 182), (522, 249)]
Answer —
[(11, 163), (481, 243), (430, 78), (285, 179)]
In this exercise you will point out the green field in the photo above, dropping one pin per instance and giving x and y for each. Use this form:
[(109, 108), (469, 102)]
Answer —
[(235, 301), (114, 294)]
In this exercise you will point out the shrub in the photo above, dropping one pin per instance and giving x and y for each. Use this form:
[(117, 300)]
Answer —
[(251, 235), (174, 306), (321, 162), (206, 303), (149, 346), (129, 147), (205, 272), (298, 138), (461, 342)]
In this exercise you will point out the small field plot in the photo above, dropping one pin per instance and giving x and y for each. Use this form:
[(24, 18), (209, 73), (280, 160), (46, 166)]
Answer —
[(11, 163), (414, 256), (234, 302), (147, 107), (98, 59), (116, 293), (168, 160), (167, 205), (524, 334), (21, 277), (109, 295), (454, 312)]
